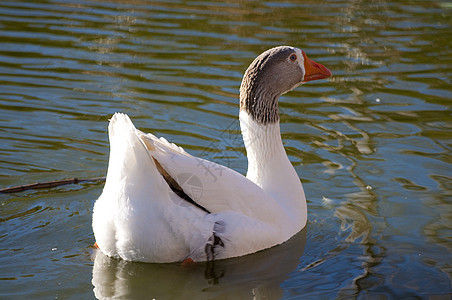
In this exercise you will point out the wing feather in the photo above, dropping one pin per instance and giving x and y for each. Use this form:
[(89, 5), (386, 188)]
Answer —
[(213, 186)]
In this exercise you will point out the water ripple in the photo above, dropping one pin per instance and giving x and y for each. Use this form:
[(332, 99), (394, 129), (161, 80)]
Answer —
[(371, 144)]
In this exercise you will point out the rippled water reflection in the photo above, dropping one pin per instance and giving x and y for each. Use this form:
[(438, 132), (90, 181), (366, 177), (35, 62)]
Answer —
[(372, 145)]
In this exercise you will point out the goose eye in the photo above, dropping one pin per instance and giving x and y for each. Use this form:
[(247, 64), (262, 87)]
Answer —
[(293, 57)]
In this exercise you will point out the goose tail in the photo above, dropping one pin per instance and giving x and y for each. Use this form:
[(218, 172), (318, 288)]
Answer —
[(130, 161), (134, 190)]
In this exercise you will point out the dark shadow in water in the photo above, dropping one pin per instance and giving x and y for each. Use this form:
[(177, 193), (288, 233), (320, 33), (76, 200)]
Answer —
[(257, 276)]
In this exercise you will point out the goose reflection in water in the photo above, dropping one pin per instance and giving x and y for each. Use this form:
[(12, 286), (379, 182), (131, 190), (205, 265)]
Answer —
[(257, 275)]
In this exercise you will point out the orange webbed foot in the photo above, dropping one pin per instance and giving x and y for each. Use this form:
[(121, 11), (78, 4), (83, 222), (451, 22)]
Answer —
[(188, 263)]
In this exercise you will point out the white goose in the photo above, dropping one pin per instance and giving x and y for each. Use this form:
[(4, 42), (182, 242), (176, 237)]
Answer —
[(148, 212)]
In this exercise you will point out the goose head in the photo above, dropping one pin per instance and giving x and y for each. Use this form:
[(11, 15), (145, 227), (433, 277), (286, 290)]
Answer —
[(273, 73)]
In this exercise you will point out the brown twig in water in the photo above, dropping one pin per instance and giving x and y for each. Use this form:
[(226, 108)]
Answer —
[(49, 184)]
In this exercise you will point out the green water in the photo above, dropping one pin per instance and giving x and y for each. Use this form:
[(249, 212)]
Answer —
[(372, 145)]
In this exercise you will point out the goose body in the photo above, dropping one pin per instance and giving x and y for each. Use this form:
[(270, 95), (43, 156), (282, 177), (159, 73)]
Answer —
[(161, 204)]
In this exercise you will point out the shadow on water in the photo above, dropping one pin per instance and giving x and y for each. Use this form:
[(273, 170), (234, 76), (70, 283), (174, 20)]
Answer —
[(257, 275)]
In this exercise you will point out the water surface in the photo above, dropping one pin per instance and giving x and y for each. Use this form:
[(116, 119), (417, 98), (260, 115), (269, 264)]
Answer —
[(372, 145)]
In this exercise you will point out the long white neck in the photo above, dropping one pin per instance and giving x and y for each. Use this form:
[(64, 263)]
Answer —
[(270, 168)]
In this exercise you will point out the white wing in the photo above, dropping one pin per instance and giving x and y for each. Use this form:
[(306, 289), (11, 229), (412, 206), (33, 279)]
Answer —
[(213, 186)]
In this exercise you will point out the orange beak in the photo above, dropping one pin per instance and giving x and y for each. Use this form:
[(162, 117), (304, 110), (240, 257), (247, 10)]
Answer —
[(314, 70)]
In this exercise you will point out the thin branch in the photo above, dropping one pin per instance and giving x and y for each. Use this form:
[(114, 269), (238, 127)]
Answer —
[(49, 184)]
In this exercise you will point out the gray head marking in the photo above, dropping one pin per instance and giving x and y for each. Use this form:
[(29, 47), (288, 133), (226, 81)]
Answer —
[(271, 74)]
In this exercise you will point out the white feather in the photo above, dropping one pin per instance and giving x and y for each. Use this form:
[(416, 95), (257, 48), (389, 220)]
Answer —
[(138, 217)]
